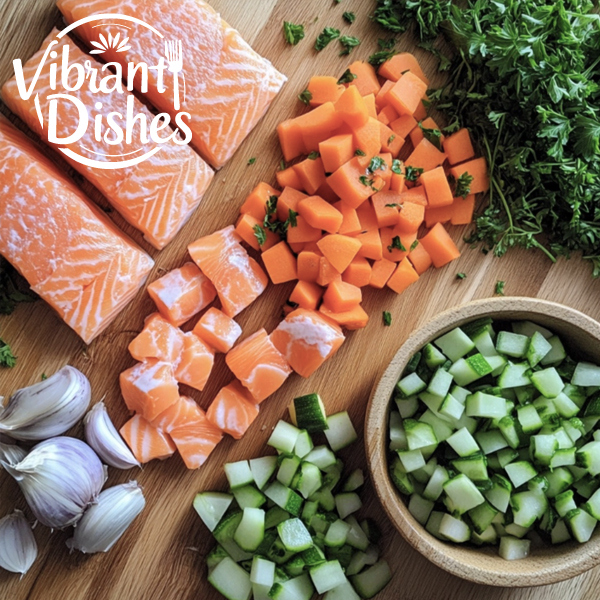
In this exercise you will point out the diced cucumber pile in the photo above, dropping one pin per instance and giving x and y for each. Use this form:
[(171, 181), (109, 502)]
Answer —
[(494, 433), (287, 528)]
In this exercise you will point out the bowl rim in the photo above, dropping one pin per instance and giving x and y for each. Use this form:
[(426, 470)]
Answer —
[(376, 444)]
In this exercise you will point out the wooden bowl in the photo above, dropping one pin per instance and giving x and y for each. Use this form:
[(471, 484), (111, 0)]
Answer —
[(546, 564)]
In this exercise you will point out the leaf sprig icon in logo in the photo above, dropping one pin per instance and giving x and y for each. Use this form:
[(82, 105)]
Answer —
[(112, 42)]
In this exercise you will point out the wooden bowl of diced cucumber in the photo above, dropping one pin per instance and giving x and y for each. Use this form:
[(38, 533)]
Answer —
[(483, 440)]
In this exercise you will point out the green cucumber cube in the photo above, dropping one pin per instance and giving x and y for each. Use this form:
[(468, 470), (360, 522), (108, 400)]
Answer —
[(420, 508), (538, 348), (453, 529), (433, 357), (340, 431), (548, 382), (463, 493), (230, 580), (294, 536), (485, 405), (410, 385), (512, 344), (586, 375), (520, 472), (463, 443), (512, 548), (556, 355), (211, 506)]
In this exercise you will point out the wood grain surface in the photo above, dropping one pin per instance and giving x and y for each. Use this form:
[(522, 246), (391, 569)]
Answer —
[(162, 555)]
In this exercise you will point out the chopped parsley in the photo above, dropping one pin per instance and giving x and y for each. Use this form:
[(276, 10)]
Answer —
[(412, 173), (387, 318), (260, 234), (393, 205), (292, 32), (461, 276), (291, 220), (282, 165), (7, 358), (12, 288), (385, 52), (327, 35), (414, 245), (365, 180), (432, 135), (377, 163), (251, 161), (350, 17), (463, 185), (44, 376), (391, 139), (396, 244), (305, 96), (500, 288), (348, 42), (270, 210), (397, 166), (359, 152), (347, 77), (313, 155)]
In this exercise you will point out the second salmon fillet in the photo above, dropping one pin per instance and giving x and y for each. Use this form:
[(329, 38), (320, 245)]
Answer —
[(228, 86)]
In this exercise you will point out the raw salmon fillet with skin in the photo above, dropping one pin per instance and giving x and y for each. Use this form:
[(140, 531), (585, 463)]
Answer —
[(259, 366), (233, 410), (307, 339), (156, 196), (237, 277), (146, 441), (69, 252), (228, 85), (182, 293)]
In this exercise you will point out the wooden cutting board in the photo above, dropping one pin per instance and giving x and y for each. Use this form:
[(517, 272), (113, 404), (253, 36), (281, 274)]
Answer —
[(162, 555)]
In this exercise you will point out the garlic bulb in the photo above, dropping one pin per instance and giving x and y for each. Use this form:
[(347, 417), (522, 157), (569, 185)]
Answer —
[(102, 436), (18, 549), (59, 478), (104, 522), (47, 408), (11, 453)]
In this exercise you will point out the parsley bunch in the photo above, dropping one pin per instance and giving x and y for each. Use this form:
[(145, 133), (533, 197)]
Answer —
[(525, 80)]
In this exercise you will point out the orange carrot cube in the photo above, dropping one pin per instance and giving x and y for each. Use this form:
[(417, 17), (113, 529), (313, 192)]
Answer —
[(336, 151), (257, 199), (403, 277), (339, 250), (306, 295), (407, 93), (410, 217), (425, 156), (370, 244), (366, 78), (324, 89), (386, 206), (247, 227), (355, 318), (320, 214), (311, 173), (288, 201), (437, 188), (341, 296), (476, 168), (397, 65), (308, 265), (280, 263), (382, 270), (358, 272), (420, 259), (462, 210), (439, 246), (458, 147)]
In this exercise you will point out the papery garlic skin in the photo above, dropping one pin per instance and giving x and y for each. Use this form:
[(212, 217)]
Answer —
[(11, 453), (47, 408), (59, 478), (18, 548), (104, 522), (103, 437)]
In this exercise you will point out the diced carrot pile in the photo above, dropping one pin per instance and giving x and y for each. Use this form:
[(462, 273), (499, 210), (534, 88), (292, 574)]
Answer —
[(370, 184)]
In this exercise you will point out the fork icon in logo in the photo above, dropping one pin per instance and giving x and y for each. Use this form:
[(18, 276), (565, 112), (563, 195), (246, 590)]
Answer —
[(174, 56)]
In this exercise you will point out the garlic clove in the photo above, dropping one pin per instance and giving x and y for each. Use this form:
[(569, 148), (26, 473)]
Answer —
[(18, 548), (11, 453), (102, 436), (47, 408), (104, 522), (59, 478)]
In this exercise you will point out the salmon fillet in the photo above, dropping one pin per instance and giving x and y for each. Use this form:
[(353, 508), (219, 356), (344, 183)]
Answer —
[(159, 339), (146, 441), (237, 277), (69, 252), (257, 363), (307, 339), (218, 330), (182, 293), (233, 410), (156, 196), (228, 86)]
